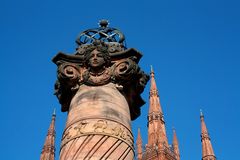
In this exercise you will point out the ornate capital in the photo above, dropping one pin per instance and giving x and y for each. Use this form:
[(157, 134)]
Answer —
[(99, 64)]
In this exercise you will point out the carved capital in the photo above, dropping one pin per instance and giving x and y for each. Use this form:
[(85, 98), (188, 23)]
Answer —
[(95, 65)]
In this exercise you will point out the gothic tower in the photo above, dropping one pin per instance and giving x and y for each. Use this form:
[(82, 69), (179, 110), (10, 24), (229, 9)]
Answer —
[(207, 150), (156, 123), (158, 147), (48, 151)]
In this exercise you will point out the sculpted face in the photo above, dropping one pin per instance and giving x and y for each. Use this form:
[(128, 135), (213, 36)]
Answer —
[(96, 59)]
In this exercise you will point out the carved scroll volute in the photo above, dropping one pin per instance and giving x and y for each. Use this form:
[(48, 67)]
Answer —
[(132, 80), (124, 71), (69, 80), (69, 74)]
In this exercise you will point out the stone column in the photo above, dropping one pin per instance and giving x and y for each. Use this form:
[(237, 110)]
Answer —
[(98, 125), (99, 86)]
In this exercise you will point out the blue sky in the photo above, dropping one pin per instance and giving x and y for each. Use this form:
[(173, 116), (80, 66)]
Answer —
[(192, 45)]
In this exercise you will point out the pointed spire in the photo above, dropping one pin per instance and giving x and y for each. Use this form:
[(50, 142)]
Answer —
[(207, 150), (175, 145), (156, 124), (153, 87), (155, 105), (139, 145), (48, 151)]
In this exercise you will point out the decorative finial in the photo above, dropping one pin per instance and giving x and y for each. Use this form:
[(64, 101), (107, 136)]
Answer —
[(105, 34), (103, 23), (201, 113), (152, 71), (151, 68), (54, 112), (138, 129), (173, 128)]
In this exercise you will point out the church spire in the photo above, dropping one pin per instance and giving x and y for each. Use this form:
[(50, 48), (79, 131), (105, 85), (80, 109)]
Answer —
[(48, 151), (175, 145), (154, 97), (207, 150), (139, 145), (156, 124)]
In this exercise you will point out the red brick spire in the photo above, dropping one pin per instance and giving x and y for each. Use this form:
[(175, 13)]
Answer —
[(207, 150), (139, 145), (156, 124), (175, 145), (48, 151)]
